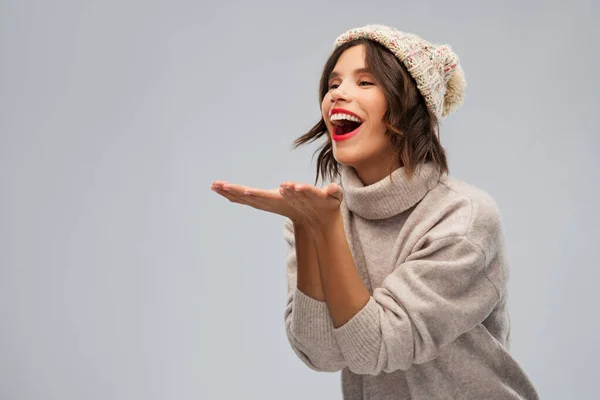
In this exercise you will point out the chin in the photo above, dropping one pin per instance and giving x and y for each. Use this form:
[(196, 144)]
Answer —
[(346, 158)]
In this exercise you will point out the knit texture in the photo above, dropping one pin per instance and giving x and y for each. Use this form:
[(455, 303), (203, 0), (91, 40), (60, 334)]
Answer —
[(435, 68), (432, 254)]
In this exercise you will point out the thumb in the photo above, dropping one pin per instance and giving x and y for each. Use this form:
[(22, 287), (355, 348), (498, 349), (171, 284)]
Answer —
[(335, 190)]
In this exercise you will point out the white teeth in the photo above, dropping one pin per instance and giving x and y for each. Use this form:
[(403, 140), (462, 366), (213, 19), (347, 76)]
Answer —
[(339, 116)]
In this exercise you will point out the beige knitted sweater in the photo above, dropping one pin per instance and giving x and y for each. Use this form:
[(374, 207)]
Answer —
[(432, 254)]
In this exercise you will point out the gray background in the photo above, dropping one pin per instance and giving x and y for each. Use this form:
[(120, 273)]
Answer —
[(122, 276)]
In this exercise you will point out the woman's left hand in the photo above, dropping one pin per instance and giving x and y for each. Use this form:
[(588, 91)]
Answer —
[(319, 205)]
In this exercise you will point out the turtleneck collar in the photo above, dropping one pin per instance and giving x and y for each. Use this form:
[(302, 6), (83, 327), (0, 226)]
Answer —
[(386, 198)]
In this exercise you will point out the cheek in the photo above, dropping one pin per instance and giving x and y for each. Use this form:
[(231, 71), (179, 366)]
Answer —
[(378, 105), (384, 106), (325, 104), (325, 107)]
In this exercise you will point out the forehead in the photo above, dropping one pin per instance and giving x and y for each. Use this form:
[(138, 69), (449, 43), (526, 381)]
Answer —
[(351, 61)]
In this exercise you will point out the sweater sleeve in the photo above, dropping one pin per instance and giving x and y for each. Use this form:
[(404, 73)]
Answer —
[(438, 293), (308, 326)]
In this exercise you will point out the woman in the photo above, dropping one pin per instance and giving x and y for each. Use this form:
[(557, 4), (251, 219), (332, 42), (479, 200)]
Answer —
[(398, 275)]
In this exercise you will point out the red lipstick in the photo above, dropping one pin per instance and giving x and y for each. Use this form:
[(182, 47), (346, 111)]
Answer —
[(348, 135), (342, 111)]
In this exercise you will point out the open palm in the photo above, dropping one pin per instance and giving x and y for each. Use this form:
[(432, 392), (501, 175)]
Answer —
[(297, 201)]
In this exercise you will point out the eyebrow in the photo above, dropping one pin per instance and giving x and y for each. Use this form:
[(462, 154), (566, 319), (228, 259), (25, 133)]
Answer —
[(335, 74)]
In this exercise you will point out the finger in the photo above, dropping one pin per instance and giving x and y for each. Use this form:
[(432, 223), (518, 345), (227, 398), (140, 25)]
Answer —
[(217, 185), (335, 190), (233, 195), (303, 197), (235, 189), (271, 194), (287, 184), (247, 201), (284, 192), (310, 191), (287, 191), (289, 195), (305, 203), (229, 196), (261, 202), (267, 200)]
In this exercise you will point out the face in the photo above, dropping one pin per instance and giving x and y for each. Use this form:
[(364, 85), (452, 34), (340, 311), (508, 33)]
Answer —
[(353, 91)]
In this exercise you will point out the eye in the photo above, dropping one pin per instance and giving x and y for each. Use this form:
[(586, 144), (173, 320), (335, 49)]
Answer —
[(361, 83)]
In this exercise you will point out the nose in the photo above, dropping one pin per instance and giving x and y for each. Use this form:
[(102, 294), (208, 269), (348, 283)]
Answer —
[(338, 94)]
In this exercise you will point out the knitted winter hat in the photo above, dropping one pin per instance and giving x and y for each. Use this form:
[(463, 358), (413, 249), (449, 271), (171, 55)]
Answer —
[(435, 68)]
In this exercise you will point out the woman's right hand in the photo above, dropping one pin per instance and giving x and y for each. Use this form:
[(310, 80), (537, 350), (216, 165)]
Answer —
[(270, 200)]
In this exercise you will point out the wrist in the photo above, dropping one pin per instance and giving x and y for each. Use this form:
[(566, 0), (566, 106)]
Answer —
[(300, 222), (326, 224)]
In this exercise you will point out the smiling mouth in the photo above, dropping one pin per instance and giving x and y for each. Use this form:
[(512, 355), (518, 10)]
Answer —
[(345, 127), (345, 130)]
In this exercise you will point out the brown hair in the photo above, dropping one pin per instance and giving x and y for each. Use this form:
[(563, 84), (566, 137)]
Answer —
[(412, 127)]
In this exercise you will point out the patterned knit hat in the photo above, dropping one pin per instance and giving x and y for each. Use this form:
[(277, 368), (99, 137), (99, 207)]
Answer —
[(435, 68)]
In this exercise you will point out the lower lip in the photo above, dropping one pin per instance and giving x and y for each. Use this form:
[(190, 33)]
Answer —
[(347, 136)]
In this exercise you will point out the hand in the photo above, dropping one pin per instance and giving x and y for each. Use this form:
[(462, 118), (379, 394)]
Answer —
[(266, 200), (318, 205)]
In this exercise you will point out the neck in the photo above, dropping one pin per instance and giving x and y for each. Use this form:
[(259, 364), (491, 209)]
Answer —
[(369, 175)]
